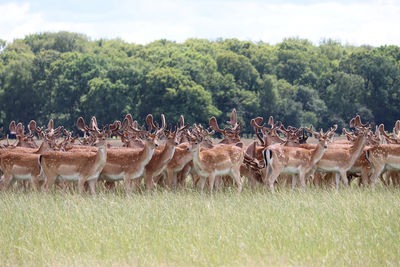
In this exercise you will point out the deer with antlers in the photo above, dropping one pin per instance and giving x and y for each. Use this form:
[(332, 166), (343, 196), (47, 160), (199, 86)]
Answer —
[(23, 140), (128, 134), (22, 166), (220, 160), (385, 157), (181, 158), (127, 163), (340, 160), (161, 157), (293, 160), (77, 166)]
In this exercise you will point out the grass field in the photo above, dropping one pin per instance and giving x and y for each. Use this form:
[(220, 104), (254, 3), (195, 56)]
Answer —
[(315, 227)]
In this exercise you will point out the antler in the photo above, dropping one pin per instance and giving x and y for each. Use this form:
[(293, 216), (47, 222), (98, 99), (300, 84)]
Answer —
[(149, 121), (12, 128), (33, 128), (50, 125), (81, 125), (256, 126), (214, 125), (93, 124), (20, 129), (233, 122)]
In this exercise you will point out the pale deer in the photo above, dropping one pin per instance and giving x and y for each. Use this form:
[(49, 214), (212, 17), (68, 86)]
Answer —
[(293, 160), (221, 160), (161, 158), (77, 166), (182, 156), (340, 160), (128, 163), (384, 157), (22, 166)]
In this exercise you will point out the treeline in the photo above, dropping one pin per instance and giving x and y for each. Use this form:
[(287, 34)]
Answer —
[(66, 75)]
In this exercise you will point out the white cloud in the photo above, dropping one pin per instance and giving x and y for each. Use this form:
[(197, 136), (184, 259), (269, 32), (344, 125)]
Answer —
[(371, 22)]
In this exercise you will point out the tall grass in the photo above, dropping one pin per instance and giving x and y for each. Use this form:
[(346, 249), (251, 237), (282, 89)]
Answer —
[(314, 227)]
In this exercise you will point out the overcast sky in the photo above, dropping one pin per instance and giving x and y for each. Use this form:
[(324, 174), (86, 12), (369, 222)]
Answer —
[(374, 22)]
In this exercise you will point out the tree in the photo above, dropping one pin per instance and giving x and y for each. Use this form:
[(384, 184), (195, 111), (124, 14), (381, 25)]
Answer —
[(170, 92)]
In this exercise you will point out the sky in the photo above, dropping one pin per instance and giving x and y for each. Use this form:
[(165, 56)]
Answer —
[(353, 22)]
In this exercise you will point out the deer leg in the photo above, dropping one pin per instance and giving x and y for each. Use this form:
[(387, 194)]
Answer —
[(271, 178), (344, 177), (171, 179), (196, 179), (377, 170), (337, 181), (202, 181), (128, 184), (148, 181), (238, 179), (138, 183), (252, 182), (389, 177), (218, 182), (183, 175), (50, 179), (81, 185), (294, 181), (395, 179), (35, 183), (211, 180), (110, 185), (302, 178), (382, 178), (92, 186), (6, 181)]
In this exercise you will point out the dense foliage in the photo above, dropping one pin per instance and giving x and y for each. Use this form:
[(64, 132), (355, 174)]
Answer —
[(65, 75)]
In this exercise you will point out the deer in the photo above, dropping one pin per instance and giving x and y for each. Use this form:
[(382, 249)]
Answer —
[(252, 167), (22, 166), (351, 164), (182, 157), (128, 135), (385, 157), (220, 160), (269, 136), (230, 134), (127, 163), (340, 160), (23, 140), (161, 157), (77, 166), (293, 160)]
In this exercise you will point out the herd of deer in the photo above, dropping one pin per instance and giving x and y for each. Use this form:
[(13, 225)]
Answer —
[(280, 155)]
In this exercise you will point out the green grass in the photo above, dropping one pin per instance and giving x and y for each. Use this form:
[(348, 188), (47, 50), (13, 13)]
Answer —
[(315, 227)]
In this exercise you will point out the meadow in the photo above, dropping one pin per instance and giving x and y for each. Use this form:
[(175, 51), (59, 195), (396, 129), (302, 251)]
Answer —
[(313, 227)]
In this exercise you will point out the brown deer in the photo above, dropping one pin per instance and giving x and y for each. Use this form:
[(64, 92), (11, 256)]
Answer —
[(77, 166)]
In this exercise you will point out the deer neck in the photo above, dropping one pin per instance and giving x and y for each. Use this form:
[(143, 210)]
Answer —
[(196, 156), (167, 153), (317, 153), (101, 156), (187, 156), (357, 148), (43, 147), (146, 154)]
